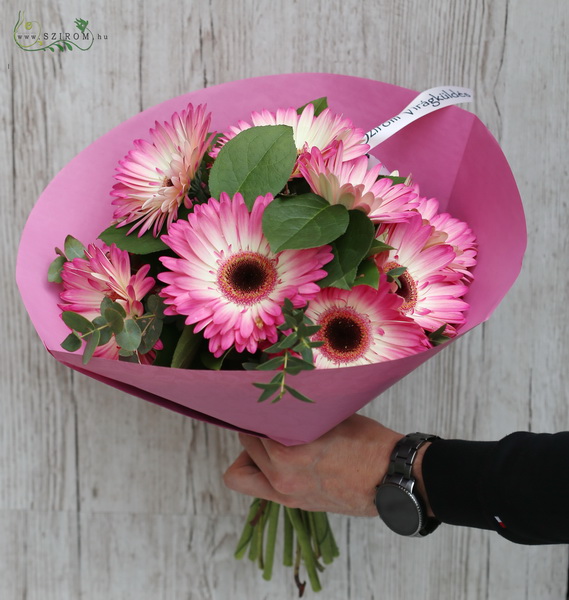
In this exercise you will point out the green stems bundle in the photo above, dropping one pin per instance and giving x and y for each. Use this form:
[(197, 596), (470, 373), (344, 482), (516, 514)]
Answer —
[(308, 541)]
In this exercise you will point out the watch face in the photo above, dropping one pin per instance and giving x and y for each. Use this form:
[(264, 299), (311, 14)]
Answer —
[(399, 509)]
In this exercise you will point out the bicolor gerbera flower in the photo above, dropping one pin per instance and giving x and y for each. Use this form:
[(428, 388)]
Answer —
[(320, 132), (228, 282), (431, 296), (155, 177), (452, 231), (361, 326), (105, 273), (351, 183)]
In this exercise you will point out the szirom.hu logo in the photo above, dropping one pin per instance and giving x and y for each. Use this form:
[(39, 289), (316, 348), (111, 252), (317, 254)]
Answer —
[(30, 36)]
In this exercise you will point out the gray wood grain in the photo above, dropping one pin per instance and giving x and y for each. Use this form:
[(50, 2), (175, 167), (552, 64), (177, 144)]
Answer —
[(105, 496)]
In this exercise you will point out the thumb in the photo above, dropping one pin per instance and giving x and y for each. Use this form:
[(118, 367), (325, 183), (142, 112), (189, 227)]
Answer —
[(245, 477)]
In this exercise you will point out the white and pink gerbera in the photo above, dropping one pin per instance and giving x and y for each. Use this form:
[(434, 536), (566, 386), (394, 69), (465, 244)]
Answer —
[(228, 282), (155, 177), (431, 295), (349, 182), (105, 273), (452, 231), (362, 326), (322, 132)]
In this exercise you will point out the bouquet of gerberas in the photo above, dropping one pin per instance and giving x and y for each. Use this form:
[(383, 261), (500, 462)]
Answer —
[(276, 248)]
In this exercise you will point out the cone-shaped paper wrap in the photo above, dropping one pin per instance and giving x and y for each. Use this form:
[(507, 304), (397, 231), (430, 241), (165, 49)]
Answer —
[(451, 155)]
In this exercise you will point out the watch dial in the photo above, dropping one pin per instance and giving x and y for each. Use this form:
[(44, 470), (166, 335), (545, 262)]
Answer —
[(399, 509)]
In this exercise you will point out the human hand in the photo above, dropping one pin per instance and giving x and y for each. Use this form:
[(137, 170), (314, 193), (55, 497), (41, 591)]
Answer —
[(336, 473)]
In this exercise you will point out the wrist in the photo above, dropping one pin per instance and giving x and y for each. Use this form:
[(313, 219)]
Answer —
[(418, 475)]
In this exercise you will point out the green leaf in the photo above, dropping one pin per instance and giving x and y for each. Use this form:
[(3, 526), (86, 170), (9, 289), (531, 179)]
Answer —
[(73, 248), (319, 104), (105, 332), (437, 337), (297, 394), (268, 391), (155, 305), (71, 343), (145, 244), (151, 328), (395, 179), (306, 221), (378, 246), (54, 271), (215, 362), (108, 303), (115, 320), (349, 250), (130, 337), (288, 342), (368, 274), (257, 161), (396, 272), (274, 363), (92, 343), (76, 321), (299, 363), (186, 348)]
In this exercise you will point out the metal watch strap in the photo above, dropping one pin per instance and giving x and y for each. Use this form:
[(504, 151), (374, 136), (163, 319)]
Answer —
[(400, 471)]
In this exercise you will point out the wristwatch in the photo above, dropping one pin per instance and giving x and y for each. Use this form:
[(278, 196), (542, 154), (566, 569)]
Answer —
[(396, 498)]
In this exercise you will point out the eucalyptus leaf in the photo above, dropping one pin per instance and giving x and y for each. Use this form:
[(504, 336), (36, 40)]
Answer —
[(76, 322), (115, 320), (319, 104), (306, 221), (130, 337), (257, 161), (108, 303), (349, 250), (71, 343), (92, 343), (145, 244), (55, 268), (151, 328), (186, 348), (155, 305), (105, 332), (73, 248)]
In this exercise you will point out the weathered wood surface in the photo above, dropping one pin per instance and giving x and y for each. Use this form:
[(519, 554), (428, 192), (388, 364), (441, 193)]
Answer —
[(103, 496)]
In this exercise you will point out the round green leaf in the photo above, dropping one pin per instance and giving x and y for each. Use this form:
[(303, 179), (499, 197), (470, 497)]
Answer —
[(130, 337), (257, 161), (76, 321), (306, 221), (145, 244)]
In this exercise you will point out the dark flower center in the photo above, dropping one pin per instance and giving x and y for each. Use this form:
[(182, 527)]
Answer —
[(247, 277), (344, 334), (407, 288)]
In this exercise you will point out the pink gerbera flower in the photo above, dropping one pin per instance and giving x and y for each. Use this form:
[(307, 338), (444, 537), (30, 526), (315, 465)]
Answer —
[(350, 183), (451, 231), (362, 326), (320, 132), (155, 177), (228, 281), (430, 295), (105, 273)]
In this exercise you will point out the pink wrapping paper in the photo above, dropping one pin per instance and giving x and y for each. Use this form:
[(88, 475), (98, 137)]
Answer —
[(451, 155)]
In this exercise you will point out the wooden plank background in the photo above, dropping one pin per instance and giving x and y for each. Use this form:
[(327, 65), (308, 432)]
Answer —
[(103, 496)]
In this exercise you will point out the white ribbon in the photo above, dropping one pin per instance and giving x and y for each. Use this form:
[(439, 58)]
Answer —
[(426, 102)]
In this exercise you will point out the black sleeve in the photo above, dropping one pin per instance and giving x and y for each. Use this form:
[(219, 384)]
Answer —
[(518, 486)]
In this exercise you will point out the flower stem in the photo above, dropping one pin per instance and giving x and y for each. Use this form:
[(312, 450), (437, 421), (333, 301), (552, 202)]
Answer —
[(273, 520), (247, 533), (305, 547), (288, 540)]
